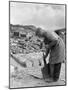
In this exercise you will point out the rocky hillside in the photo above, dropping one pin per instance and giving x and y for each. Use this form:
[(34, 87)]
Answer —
[(23, 39)]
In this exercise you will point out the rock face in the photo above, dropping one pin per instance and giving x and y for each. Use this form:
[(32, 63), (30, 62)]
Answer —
[(23, 39), (33, 63)]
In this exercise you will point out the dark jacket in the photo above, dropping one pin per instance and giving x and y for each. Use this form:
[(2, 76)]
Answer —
[(57, 47)]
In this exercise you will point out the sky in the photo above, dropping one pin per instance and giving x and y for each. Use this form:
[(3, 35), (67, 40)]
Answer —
[(46, 16)]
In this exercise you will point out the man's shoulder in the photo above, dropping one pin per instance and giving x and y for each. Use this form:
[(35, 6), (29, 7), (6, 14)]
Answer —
[(52, 35)]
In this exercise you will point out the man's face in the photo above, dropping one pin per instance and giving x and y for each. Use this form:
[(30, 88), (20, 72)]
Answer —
[(46, 41)]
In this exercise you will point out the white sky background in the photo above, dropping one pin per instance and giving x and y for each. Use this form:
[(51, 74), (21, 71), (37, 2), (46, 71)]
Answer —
[(47, 16)]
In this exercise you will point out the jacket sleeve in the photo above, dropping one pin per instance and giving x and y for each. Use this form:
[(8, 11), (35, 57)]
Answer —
[(52, 44)]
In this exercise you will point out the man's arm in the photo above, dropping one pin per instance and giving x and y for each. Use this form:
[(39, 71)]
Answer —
[(49, 47), (52, 44), (47, 51), (41, 45)]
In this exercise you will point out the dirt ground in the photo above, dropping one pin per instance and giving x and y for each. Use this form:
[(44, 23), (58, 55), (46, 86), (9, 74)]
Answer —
[(24, 79)]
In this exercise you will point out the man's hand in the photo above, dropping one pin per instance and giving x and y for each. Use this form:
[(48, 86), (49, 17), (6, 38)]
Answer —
[(43, 50)]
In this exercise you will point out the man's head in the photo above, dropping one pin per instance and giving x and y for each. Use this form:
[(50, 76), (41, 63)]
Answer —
[(42, 34), (39, 32)]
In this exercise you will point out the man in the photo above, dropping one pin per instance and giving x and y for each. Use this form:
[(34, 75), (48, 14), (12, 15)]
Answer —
[(55, 46)]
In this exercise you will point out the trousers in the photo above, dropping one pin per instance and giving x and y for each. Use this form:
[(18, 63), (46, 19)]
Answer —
[(51, 71), (54, 71)]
